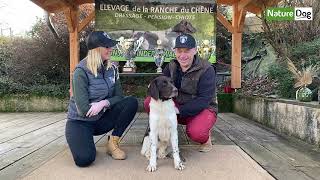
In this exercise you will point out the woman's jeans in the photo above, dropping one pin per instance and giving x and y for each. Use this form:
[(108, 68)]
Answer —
[(79, 134)]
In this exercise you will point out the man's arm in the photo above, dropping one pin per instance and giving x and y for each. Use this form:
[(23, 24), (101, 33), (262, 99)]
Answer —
[(206, 91)]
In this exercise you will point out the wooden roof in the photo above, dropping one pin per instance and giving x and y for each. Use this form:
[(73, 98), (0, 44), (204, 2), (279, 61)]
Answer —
[(59, 5), (254, 6)]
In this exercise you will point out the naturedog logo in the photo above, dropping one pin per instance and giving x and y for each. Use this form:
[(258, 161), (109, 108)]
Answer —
[(303, 13), (289, 14)]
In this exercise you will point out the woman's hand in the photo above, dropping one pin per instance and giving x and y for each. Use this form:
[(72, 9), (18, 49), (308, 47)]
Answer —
[(96, 107)]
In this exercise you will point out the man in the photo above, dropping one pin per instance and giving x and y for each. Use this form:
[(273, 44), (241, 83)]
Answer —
[(195, 80)]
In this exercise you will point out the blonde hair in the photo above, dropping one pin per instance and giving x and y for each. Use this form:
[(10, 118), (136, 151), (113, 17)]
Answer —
[(94, 61)]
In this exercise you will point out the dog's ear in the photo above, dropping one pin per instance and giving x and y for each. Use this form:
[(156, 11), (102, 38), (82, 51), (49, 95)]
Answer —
[(153, 90)]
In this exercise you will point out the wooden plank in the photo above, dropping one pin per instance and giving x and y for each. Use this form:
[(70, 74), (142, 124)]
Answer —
[(134, 134), (86, 21), (278, 156), (102, 141), (34, 160), (218, 137), (276, 166), (225, 22), (29, 144), (287, 150), (136, 117), (287, 173), (29, 128), (10, 120), (22, 121), (8, 117), (234, 134), (292, 155), (313, 172), (249, 128)]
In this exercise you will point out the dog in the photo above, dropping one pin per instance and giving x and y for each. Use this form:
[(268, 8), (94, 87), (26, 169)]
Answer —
[(162, 123)]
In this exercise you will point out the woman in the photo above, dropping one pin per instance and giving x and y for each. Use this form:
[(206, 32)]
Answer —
[(97, 104)]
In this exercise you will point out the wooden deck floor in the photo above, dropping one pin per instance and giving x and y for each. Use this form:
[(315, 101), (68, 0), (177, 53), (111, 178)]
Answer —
[(27, 140)]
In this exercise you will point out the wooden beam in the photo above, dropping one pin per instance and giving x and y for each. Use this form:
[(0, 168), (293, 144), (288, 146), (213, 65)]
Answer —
[(72, 15), (227, 2), (236, 60), (236, 49), (225, 22), (241, 20), (79, 2), (48, 3), (243, 3), (74, 54), (67, 3), (235, 16), (67, 14), (86, 21), (254, 9)]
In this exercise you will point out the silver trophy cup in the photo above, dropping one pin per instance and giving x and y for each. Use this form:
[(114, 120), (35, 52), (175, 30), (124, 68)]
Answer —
[(128, 48), (206, 49), (159, 56)]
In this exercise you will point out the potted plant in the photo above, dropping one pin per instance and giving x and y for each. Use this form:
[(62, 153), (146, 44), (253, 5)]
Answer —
[(303, 79)]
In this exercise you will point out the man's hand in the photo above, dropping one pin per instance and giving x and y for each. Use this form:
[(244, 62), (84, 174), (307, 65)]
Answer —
[(96, 107), (177, 110)]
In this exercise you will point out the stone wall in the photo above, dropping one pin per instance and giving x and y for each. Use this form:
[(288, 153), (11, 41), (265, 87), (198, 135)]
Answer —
[(298, 119)]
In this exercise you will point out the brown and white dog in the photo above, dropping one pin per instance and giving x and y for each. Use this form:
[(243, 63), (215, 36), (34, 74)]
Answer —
[(162, 123)]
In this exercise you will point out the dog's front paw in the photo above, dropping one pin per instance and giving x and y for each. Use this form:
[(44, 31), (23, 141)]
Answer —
[(179, 166), (151, 168)]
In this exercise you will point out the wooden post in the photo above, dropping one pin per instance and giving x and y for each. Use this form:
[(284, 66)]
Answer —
[(72, 15), (236, 49), (74, 54)]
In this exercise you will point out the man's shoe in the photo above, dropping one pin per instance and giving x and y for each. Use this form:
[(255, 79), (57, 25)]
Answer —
[(206, 147), (114, 150)]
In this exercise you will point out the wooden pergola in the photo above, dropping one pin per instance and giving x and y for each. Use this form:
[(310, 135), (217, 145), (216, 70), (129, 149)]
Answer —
[(240, 9)]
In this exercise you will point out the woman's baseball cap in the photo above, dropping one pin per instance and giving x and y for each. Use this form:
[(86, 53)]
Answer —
[(100, 39)]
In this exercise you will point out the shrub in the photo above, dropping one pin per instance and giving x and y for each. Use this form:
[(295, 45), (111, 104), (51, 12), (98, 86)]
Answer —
[(285, 80), (5, 55), (225, 102), (306, 54)]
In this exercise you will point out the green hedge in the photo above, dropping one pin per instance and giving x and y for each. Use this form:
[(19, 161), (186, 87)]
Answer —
[(225, 102), (31, 103)]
